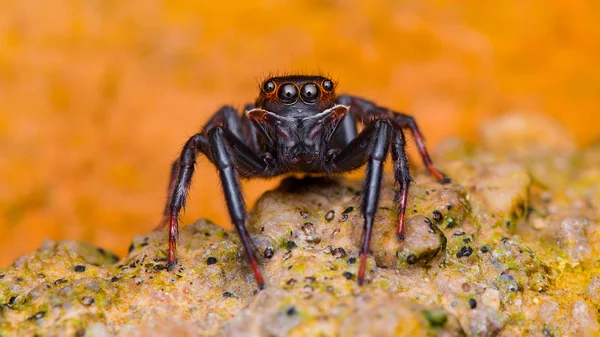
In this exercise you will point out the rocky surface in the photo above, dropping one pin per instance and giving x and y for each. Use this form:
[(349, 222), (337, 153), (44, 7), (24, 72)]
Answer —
[(508, 249)]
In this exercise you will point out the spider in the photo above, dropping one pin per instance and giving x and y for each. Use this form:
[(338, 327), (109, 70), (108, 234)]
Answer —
[(297, 124)]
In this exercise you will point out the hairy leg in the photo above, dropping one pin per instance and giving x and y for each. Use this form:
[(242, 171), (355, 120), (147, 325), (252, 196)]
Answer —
[(366, 111), (370, 146), (220, 142), (402, 176), (222, 153)]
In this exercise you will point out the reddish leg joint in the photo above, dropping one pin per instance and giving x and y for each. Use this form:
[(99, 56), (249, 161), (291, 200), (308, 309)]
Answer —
[(427, 160), (248, 248), (361, 270), (173, 233), (402, 211), (257, 275)]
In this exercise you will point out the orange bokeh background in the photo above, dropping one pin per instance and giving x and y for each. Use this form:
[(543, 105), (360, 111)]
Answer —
[(97, 97)]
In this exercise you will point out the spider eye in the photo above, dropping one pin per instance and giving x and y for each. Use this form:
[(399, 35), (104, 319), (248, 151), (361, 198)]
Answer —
[(269, 86), (309, 93), (288, 93), (328, 85)]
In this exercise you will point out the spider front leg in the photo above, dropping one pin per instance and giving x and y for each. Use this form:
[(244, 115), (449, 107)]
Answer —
[(370, 146), (232, 156), (182, 171), (223, 153), (366, 111)]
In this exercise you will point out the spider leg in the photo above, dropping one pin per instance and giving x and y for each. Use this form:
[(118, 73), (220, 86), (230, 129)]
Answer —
[(365, 111), (370, 146), (346, 131), (221, 144), (179, 187), (402, 176), (172, 179), (226, 115), (408, 121), (223, 151)]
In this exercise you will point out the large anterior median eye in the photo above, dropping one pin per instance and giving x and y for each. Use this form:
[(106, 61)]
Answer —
[(309, 93), (288, 93)]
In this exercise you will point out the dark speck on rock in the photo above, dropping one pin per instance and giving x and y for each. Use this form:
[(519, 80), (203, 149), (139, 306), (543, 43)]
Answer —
[(144, 244), (338, 253), (411, 259), (131, 247), (228, 294), (304, 214), (465, 251), (290, 245), (330, 215), (87, 301), (351, 260), (437, 216), (114, 279), (79, 269), (39, 315), (472, 303), (269, 252), (287, 255), (211, 260), (80, 333), (291, 311), (348, 210), (348, 275), (459, 233), (60, 281), (485, 249)]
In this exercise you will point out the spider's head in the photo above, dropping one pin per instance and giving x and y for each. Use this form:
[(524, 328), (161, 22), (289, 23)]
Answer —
[(297, 95), (298, 114)]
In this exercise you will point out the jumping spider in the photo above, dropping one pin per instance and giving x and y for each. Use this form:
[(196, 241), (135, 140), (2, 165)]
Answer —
[(297, 124)]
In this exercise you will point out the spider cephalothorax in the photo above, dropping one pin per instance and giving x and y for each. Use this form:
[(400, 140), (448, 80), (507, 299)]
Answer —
[(298, 115), (297, 124)]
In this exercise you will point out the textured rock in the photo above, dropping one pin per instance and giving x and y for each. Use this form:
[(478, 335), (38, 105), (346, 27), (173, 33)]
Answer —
[(495, 253)]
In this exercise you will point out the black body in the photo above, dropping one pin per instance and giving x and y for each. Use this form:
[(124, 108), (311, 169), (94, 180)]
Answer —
[(297, 124)]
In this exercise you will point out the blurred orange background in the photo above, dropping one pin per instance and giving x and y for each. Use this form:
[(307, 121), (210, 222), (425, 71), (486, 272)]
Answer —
[(97, 97)]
